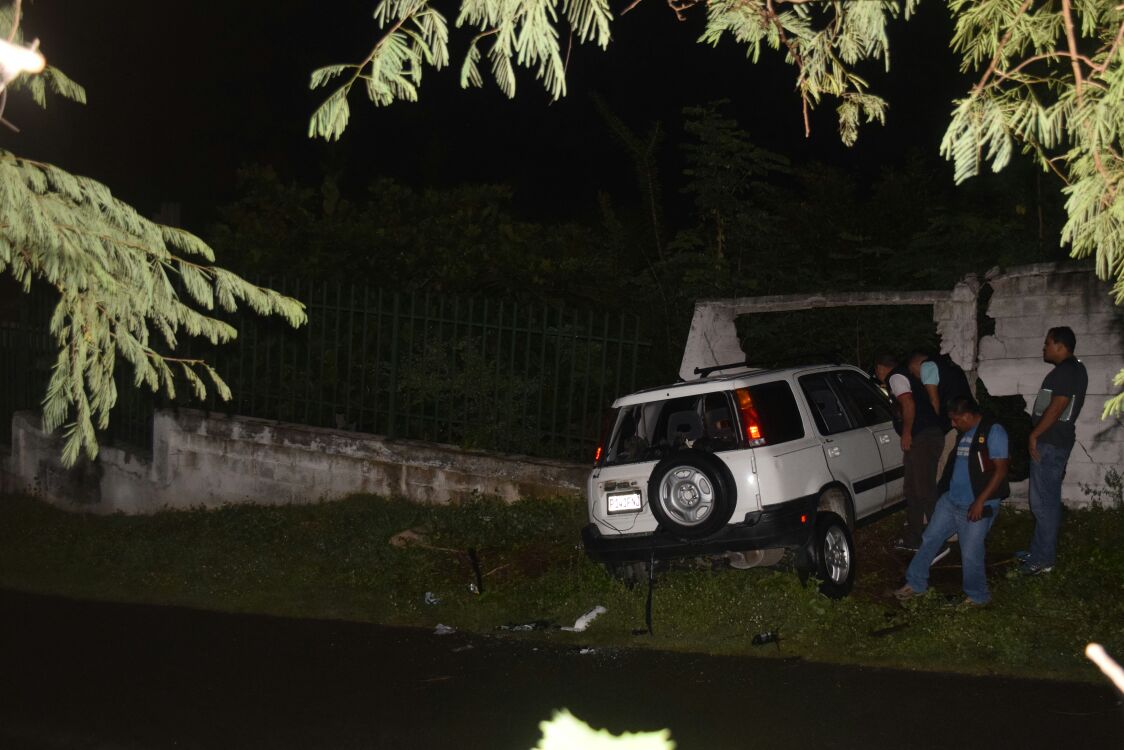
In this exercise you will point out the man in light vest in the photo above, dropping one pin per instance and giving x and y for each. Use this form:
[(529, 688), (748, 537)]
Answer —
[(971, 488)]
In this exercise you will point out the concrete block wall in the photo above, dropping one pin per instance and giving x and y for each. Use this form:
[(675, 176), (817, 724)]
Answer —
[(201, 460), (1026, 302)]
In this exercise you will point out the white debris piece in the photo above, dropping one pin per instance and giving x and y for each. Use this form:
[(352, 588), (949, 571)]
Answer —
[(443, 630), (583, 622), (432, 598)]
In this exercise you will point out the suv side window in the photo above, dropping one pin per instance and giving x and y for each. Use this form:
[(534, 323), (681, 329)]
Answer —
[(776, 406), (648, 432), (866, 401), (826, 408)]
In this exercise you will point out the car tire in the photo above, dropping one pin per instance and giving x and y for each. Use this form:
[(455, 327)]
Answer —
[(692, 494), (833, 555)]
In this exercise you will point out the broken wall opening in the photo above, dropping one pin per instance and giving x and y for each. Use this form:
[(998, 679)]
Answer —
[(851, 335)]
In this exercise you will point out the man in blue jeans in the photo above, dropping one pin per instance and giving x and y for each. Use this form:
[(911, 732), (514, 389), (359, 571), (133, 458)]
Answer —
[(971, 489), (1055, 413)]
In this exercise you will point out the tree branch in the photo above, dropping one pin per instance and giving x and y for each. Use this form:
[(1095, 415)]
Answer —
[(999, 50)]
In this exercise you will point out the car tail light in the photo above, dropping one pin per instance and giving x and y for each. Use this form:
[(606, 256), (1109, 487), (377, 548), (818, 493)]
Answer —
[(597, 455), (751, 423)]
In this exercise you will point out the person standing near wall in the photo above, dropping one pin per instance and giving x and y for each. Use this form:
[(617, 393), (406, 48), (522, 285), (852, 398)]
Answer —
[(1054, 415), (922, 443), (972, 486), (944, 380)]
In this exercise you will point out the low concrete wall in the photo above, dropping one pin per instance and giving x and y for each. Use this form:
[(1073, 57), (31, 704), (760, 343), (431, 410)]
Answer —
[(201, 460)]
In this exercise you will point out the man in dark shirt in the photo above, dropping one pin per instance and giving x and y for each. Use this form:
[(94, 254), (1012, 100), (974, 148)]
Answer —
[(1055, 414)]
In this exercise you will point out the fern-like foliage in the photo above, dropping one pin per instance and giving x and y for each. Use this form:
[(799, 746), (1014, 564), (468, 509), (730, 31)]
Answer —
[(1051, 84), (825, 41), (128, 287), (116, 274), (517, 33)]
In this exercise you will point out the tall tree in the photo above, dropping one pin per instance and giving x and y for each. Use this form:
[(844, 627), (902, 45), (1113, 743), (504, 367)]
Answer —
[(126, 286), (1050, 79)]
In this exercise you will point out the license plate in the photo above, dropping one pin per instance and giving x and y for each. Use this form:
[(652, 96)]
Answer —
[(624, 502)]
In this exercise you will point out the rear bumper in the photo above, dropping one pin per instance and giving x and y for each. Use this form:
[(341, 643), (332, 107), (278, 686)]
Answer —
[(775, 526)]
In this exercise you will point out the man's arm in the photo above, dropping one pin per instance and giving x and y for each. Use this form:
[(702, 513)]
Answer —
[(997, 477), (931, 379), (934, 398), (909, 411), (1049, 418)]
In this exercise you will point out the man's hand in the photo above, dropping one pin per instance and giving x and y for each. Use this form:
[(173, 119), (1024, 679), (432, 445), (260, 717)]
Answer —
[(907, 441), (975, 512), (1032, 445)]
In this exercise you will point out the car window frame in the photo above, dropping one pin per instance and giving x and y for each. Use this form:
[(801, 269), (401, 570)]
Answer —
[(817, 418)]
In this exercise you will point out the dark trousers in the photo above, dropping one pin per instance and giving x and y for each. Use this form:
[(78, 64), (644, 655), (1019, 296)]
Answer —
[(921, 481)]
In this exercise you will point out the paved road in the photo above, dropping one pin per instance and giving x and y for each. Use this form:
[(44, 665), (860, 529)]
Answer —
[(110, 676)]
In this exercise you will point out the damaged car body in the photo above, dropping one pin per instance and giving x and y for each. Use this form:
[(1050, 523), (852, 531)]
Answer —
[(759, 460)]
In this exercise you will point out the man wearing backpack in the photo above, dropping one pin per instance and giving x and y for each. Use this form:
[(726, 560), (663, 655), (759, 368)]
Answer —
[(919, 425), (943, 380)]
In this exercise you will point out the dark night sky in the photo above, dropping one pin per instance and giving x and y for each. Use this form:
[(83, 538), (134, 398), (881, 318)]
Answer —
[(181, 95)]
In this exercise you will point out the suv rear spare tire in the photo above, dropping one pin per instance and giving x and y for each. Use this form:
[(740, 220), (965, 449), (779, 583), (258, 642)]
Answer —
[(691, 494)]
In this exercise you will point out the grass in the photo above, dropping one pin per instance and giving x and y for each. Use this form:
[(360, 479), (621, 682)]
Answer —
[(334, 560)]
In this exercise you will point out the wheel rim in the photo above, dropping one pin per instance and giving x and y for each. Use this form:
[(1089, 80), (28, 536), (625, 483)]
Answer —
[(687, 495), (836, 555)]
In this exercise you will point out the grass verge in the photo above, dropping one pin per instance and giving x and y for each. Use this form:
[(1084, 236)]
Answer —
[(335, 560)]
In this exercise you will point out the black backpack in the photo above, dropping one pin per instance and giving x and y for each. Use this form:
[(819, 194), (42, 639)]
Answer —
[(953, 382)]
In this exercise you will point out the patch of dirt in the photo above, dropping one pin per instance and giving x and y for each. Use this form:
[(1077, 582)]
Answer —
[(881, 568)]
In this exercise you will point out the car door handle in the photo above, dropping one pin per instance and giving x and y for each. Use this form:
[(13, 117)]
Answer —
[(884, 438)]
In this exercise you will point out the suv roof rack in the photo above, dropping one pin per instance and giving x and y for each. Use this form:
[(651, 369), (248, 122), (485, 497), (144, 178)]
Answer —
[(704, 371)]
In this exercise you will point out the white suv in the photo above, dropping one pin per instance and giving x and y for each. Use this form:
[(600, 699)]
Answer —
[(759, 460)]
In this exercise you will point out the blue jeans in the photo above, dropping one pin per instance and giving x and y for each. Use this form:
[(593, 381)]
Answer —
[(1046, 476), (948, 519)]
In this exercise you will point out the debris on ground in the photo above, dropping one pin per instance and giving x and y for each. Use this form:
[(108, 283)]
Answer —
[(432, 598), (882, 632), (416, 538), (583, 622), (522, 627), (444, 630), (769, 636), (586, 651)]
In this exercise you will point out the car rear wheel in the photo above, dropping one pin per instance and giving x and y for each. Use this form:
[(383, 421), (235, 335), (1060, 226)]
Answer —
[(691, 494), (833, 555)]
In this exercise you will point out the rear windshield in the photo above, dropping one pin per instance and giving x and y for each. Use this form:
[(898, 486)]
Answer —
[(648, 432), (651, 431)]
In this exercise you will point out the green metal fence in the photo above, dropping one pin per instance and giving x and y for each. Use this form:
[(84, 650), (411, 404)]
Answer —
[(489, 374), (26, 352)]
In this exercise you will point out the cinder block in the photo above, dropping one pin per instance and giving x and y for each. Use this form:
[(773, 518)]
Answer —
[(1036, 305), (1111, 321), (1009, 377), (991, 347), (1027, 285), (1005, 306), (1020, 327), (1076, 282)]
